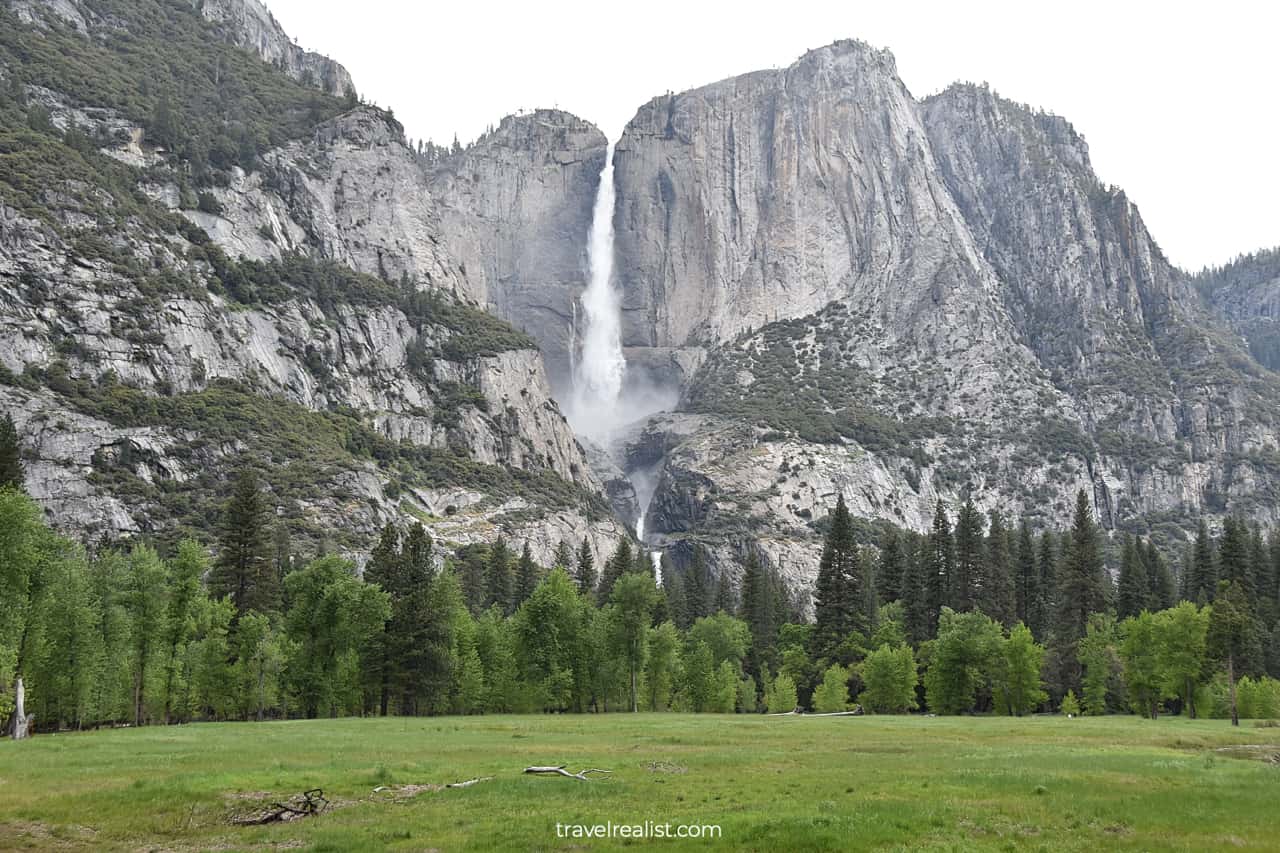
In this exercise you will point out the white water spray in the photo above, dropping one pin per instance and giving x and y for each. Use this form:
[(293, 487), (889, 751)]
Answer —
[(600, 367)]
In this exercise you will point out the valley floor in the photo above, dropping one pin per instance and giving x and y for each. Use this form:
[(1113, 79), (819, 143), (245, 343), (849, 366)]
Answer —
[(770, 783)]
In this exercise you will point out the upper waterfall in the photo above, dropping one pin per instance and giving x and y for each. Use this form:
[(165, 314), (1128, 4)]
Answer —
[(599, 369)]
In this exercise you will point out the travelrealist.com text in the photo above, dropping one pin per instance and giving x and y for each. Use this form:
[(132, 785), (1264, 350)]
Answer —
[(647, 829)]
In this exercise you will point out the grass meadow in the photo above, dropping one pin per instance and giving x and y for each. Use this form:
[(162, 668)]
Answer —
[(769, 783)]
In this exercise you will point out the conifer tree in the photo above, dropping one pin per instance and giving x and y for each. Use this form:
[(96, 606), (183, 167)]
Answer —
[(586, 572), (697, 587), (527, 576), (379, 654), (1047, 566), (997, 592), (673, 590), (615, 567), (1202, 583), (917, 612), (11, 472), (1162, 592), (840, 596), (1232, 638), (939, 568), (1080, 590), (967, 581), (758, 612), (564, 557), (1026, 588), (1134, 586), (243, 568), (1234, 563), (724, 594), (500, 584), (889, 568)]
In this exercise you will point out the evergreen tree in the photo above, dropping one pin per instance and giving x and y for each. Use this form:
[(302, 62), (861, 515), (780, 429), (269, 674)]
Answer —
[(697, 587), (586, 573), (1047, 567), (1163, 593), (673, 590), (243, 568), (1080, 590), (967, 580), (939, 568), (758, 612), (997, 595), (1026, 588), (11, 472), (917, 613), (564, 557), (1203, 580), (1232, 638), (724, 602), (1234, 563), (615, 567), (841, 592), (379, 664), (1135, 586), (527, 576), (473, 577), (889, 568), (500, 585)]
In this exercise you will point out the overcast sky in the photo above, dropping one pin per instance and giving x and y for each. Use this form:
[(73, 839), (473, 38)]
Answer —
[(1179, 108)]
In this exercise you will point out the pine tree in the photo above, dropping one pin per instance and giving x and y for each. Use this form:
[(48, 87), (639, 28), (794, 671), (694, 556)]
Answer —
[(673, 589), (724, 594), (586, 573), (11, 472), (1203, 580), (840, 595), (1026, 588), (1047, 566), (1233, 556), (1135, 587), (379, 656), (244, 569), (939, 568), (967, 581), (1232, 637), (915, 593), (757, 611), (997, 593), (564, 557), (527, 576), (615, 567), (1163, 594), (500, 584), (697, 587), (1080, 590), (889, 568)]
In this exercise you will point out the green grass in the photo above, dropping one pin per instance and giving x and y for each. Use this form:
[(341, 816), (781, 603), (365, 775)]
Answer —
[(892, 783)]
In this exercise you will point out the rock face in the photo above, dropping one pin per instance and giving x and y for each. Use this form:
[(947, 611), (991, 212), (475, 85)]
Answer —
[(905, 301), (1246, 292), (515, 209), (248, 24)]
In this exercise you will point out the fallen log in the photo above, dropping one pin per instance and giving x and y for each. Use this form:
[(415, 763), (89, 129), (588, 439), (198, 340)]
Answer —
[(581, 774), (469, 782), (307, 804)]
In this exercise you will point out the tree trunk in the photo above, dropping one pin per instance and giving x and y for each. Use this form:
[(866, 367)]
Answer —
[(634, 704), (21, 722), (1191, 699), (1231, 679)]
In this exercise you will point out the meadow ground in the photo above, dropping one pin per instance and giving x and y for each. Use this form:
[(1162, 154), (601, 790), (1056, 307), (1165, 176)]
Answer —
[(770, 783)]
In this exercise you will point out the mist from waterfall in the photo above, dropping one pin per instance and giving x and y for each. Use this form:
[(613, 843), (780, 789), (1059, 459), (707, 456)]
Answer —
[(600, 365)]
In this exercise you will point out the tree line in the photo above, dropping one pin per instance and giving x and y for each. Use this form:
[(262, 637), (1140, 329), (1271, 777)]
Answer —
[(973, 616)]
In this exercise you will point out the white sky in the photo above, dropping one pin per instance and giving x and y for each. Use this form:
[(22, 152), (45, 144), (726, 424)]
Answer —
[(1179, 107)]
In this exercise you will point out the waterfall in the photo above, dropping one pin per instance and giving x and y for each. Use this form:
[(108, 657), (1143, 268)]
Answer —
[(600, 366)]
